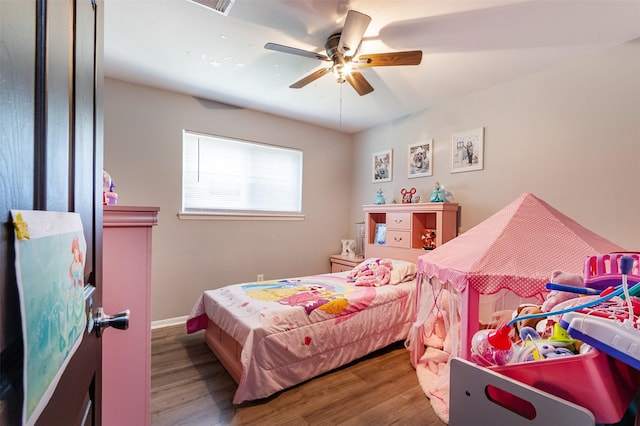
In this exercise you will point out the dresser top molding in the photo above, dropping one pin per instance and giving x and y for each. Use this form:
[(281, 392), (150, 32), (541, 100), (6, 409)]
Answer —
[(414, 207), (120, 216)]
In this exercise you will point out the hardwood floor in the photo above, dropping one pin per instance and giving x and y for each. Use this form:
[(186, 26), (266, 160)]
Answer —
[(190, 387)]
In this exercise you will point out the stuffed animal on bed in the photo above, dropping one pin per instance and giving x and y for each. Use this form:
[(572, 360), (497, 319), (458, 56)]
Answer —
[(375, 273), (555, 297)]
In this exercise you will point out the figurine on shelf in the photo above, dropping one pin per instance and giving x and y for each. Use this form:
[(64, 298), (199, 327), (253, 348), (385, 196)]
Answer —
[(109, 196), (435, 195), (416, 199), (379, 198), (407, 195), (439, 194), (429, 238)]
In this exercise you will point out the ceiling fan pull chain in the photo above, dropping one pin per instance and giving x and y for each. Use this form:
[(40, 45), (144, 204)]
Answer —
[(340, 120)]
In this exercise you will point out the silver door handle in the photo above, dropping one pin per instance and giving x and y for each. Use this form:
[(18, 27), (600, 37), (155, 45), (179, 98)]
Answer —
[(102, 320)]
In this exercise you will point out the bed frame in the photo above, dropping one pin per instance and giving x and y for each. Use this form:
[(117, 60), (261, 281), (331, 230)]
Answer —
[(227, 350)]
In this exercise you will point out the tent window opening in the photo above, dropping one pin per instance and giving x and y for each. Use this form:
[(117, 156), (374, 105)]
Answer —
[(235, 177)]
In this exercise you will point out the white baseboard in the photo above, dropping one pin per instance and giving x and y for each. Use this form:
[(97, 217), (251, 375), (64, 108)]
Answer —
[(169, 322)]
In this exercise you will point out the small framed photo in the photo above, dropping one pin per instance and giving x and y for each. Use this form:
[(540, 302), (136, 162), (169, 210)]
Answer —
[(467, 150), (381, 234), (382, 166), (420, 159)]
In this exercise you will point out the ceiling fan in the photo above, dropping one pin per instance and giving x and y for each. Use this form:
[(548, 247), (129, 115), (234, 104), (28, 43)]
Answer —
[(342, 50)]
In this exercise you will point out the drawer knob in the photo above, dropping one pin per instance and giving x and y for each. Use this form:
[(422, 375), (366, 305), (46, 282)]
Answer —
[(398, 220), (397, 239)]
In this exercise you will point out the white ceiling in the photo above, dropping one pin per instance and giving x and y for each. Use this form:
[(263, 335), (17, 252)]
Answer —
[(467, 46)]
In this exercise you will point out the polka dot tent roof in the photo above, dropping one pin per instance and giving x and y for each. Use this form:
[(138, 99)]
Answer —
[(517, 248)]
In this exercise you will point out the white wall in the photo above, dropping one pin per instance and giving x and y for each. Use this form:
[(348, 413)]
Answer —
[(143, 154), (570, 135)]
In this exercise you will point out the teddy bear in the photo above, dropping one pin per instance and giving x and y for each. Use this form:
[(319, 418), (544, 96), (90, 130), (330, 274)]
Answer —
[(524, 310), (372, 273), (555, 297)]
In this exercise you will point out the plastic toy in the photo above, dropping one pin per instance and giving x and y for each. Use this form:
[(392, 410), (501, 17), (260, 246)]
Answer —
[(486, 354), (407, 194), (603, 270), (379, 197), (109, 197), (439, 194), (429, 238), (499, 338), (535, 348), (435, 195)]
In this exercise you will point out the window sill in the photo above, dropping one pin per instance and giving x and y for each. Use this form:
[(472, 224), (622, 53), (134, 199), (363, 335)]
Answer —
[(239, 216)]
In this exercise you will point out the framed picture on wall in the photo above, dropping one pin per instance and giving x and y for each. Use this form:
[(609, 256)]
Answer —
[(382, 166), (420, 159), (467, 150)]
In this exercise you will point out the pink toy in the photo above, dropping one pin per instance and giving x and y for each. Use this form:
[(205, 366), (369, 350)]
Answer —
[(485, 354), (555, 296), (407, 194), (603, 270), (374, 273), (435, 329)]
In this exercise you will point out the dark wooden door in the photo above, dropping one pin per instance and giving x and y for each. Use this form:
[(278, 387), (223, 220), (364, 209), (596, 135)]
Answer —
[(51, 159)]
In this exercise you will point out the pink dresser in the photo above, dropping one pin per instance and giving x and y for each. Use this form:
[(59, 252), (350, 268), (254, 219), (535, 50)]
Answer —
[(126, 355)]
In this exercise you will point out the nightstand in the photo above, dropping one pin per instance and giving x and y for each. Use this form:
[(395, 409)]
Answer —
[(341, 263)]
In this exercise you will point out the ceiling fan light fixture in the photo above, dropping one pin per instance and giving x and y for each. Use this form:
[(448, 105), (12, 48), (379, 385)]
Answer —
[(343, 50), (342, 70), (220, 6)]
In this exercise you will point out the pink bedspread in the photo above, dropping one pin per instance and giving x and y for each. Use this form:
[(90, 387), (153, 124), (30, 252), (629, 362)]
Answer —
[(293, 330)]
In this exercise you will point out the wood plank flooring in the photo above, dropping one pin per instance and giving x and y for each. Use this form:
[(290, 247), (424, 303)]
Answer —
[(190, 387)]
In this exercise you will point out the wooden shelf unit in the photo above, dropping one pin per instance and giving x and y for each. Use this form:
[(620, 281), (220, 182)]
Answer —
[(405, 224), (126, 278)]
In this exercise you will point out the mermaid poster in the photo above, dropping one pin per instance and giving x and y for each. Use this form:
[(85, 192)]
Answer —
[(50, 249)]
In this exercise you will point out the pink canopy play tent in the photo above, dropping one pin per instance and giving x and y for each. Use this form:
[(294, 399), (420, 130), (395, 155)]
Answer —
[(516, 249)]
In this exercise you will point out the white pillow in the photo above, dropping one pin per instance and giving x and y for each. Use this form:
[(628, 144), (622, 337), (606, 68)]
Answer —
[(402, 271)]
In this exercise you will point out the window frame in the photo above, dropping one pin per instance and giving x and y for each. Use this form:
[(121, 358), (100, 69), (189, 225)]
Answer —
[(229, 214)]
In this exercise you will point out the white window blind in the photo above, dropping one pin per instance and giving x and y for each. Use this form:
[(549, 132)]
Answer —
[(223, 175)]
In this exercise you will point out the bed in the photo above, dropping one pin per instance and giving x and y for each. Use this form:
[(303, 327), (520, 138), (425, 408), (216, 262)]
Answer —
[(272, 335)]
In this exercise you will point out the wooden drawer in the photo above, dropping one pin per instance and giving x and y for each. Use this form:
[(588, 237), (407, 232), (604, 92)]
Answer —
[(344, 263), (401, 221), (401, 239), (337, 267)]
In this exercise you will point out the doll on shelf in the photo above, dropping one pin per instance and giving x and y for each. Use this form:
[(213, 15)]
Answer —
[(429, 238), (439, 194)]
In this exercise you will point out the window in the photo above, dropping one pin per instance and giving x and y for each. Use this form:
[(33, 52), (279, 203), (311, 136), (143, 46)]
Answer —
[(224, 176)]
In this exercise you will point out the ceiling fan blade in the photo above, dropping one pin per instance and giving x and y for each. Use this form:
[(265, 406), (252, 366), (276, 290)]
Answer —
[(412, 57), (354, 27), (295, 51), (311, 77), (359, 83)]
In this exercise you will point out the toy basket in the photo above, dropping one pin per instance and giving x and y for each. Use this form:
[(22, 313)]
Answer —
[(593, 380)]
